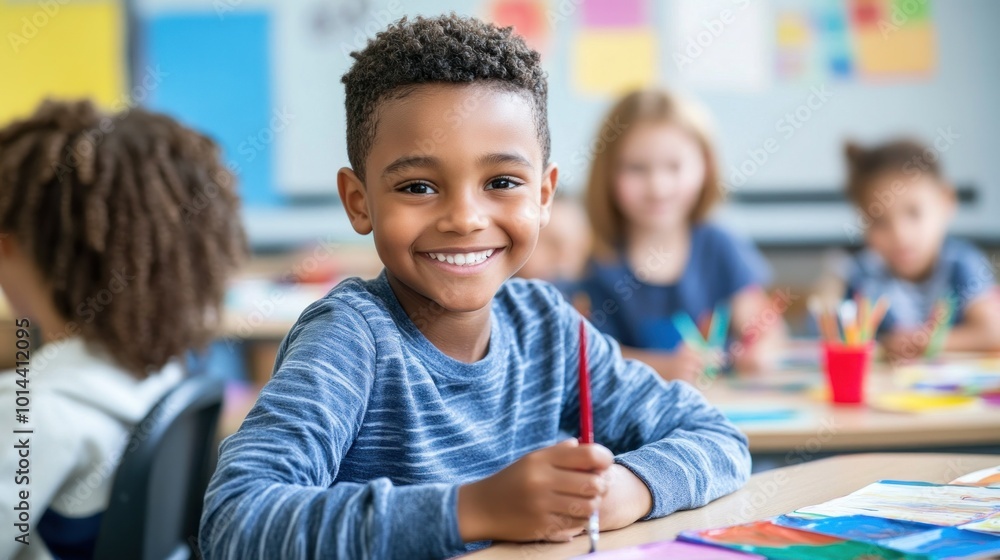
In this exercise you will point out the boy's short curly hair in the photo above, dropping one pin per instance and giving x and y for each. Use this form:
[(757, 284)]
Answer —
[(443, 49)]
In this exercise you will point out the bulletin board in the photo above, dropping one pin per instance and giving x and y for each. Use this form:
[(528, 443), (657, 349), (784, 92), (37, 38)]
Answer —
[(263, 77)]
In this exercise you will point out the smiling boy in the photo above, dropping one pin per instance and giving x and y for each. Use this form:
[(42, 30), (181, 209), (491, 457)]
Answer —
[(431, 410)]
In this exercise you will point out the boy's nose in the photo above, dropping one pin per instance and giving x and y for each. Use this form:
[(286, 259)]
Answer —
[(463, 215)]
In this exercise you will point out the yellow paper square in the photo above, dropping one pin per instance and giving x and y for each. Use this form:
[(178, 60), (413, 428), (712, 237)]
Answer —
[(60, 50), (792, 31), (907, 50), (612, 62)]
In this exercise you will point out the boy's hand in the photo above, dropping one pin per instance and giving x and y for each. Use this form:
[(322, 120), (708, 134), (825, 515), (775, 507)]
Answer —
[(627, 500), (686, 364), (548, 495)]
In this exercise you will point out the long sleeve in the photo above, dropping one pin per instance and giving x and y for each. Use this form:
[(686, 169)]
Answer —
[(273, 494), (684, 450)]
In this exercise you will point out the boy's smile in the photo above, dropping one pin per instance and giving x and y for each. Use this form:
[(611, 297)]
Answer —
[(455, 193)]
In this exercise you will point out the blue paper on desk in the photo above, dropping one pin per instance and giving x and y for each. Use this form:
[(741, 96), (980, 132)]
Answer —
[(744, 416), (905, 536)]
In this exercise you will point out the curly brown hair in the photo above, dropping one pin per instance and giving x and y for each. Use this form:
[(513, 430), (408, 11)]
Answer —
[(133, 221), (900, 156), (443, 49)]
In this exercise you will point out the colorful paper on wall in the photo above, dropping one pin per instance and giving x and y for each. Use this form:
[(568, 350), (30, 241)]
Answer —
[(894, 38), (615, 13), (218, 78), (527, 17), (612, 62), (721, 45), (61, 50)]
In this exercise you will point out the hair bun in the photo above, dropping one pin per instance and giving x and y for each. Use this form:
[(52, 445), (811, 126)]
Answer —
[(853, 151)]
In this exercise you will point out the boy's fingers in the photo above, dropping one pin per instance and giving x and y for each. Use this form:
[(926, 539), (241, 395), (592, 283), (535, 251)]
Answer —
[(586, 457), (576, 484), (574, 507)]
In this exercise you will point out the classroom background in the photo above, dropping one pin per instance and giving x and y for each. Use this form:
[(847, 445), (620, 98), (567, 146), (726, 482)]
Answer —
[(787, 82)]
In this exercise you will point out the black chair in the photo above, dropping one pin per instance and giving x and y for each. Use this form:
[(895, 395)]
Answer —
[(157, 495)]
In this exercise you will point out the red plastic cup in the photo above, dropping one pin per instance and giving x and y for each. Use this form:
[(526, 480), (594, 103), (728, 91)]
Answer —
[(846, 370)]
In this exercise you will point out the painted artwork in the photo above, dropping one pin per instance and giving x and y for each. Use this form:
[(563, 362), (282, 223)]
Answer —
[(904, 536), (920, 502), (786, 543)]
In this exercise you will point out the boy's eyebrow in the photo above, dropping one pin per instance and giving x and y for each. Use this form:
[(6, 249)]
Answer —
[(501, 158), (406, 162)]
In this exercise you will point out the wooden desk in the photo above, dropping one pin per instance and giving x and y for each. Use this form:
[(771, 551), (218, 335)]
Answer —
[(765, 495), (820, 427)]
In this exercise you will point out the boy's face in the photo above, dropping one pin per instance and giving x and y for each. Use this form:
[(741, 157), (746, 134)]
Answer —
[(909, 221), (455, 193)]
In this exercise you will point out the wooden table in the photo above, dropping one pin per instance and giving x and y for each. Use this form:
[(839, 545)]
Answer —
[(765, 495), (820, 427)]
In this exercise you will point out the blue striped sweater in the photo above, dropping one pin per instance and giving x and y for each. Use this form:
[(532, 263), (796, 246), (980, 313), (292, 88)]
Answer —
[(358, 444)]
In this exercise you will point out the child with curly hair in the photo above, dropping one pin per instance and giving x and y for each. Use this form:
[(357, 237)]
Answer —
[(431, 410), (118, 234)]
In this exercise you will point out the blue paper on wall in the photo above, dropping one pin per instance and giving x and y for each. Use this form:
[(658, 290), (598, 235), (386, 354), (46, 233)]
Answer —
[(216, 78)]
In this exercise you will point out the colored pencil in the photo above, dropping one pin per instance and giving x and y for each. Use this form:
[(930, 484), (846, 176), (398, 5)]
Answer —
[(941, 317), (876, 316), (686, 326), (719, 327), (849, 321), (587, 425), (827, 330)]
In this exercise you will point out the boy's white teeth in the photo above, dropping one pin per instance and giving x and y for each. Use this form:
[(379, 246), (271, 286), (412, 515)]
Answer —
[(462, 259)]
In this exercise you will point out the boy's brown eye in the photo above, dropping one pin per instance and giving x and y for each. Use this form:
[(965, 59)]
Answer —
[(417, 188), (501, 183)]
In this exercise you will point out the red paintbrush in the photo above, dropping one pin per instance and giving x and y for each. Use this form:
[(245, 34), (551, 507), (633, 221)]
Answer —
[(587, 423)]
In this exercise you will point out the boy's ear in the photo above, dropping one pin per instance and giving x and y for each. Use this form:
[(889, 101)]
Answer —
[(549, 179), (355, 200)]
